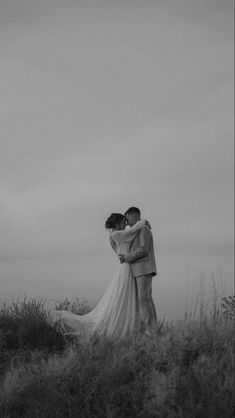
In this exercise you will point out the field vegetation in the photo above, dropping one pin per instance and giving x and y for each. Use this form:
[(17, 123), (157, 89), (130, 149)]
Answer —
[(185, 370)]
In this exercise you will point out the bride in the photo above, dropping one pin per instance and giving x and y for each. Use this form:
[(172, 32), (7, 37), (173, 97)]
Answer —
[(116, 314)]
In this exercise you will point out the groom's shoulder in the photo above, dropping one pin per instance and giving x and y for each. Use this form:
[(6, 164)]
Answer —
[(145, 230)]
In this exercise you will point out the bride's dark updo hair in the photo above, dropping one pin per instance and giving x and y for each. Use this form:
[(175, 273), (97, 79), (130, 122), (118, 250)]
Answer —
[(113, 220)]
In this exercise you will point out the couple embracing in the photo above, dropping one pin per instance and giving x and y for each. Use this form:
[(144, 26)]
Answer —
[(127, 304)]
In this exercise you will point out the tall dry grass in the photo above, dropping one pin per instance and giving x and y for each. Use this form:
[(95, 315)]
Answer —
[(184, 370)]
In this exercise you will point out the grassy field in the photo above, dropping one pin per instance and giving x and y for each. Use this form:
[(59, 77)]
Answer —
[(185, 370)]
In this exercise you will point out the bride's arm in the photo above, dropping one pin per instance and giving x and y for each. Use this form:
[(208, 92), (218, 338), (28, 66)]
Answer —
[(113, 244), (127, 235)]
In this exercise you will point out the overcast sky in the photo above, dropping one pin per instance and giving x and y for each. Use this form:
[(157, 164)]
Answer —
[(105, 105)]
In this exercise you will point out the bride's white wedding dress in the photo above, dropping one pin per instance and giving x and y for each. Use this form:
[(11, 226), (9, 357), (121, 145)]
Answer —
[(116, 314)]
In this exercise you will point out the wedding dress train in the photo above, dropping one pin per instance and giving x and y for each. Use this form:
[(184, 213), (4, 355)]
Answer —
[(116, 314)]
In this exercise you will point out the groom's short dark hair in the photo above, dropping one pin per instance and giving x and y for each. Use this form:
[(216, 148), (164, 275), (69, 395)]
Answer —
[(133, 209)]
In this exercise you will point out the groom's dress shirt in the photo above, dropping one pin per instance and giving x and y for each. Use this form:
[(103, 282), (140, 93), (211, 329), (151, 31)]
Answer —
[(141, 255)]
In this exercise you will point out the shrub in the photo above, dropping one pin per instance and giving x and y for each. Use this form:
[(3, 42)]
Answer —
[(26, 324)]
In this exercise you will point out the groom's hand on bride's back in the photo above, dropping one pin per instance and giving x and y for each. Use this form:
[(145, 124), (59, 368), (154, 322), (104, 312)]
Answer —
[(121, 258)]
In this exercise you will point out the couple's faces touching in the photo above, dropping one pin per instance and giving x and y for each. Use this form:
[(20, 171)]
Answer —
[(121, 225), (130, 219)]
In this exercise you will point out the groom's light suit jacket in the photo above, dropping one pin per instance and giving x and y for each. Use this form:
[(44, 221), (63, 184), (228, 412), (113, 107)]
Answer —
[(141, 256)]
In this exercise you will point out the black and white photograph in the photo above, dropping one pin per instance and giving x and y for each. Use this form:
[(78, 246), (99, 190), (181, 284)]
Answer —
[(117, 208)]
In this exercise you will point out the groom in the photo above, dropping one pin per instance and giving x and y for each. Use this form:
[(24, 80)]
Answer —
[(142, 260)]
